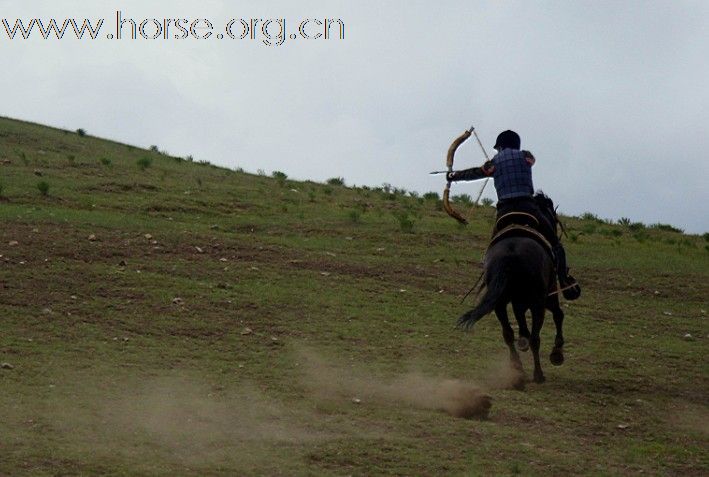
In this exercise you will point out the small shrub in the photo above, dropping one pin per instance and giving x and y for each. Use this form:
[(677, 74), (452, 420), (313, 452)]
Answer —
[(464, 199), (666, 228), (105, 161), (616, 232), (143, 163), (311, 196), (355, 216), (487, 202), (431, 196), (589, 229), (413, 194), (240, 170), (624, 221), (81, 132), (189, 158), (406, 223), (706, 236), (336, 181), (1, 187), (640, 236), (204, 162), (71, 158), (43, 187), (636, 226), (328, 190), (590, 216), (23, 156), (280, 177), (155, 149), (261, 172)]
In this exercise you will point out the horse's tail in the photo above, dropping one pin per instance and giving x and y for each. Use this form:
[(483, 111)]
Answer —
[(499, 276)]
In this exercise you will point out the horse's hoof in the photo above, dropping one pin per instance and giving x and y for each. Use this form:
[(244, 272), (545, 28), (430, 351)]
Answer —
[(539, 378), (557, 357), (522, 343)]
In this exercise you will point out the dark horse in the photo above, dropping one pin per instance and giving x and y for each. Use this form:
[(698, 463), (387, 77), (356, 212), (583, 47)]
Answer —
[(519, 270)]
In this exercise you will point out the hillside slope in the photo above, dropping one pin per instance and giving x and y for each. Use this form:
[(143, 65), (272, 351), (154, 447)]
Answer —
[(164, 317)]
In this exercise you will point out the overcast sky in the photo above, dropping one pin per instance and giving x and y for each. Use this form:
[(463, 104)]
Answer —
[(611, 97)]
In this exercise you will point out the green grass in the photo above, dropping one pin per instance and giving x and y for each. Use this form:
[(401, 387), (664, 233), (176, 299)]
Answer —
[(233, 337)]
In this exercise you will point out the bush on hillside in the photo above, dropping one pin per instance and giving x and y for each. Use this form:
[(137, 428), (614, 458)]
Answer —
[(279, 176), (666, 228), (336, 181), (143, 163), (406, 223), (624, 221), (355, 216), (464, 199), (43, 187)]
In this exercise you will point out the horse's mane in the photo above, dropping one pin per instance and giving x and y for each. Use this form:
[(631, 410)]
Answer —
[(546, 206)]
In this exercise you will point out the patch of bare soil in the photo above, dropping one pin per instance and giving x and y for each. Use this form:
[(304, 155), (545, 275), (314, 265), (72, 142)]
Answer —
[(691, 417)]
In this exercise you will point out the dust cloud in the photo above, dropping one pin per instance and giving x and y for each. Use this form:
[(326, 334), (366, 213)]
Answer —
[(329, 380), (185, 421)]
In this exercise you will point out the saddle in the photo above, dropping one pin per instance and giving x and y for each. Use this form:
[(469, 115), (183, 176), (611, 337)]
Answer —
[(520, 223), (521, 230)]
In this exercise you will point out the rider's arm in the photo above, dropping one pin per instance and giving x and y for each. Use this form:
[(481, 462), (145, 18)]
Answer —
[(529, 158), (473, 173)]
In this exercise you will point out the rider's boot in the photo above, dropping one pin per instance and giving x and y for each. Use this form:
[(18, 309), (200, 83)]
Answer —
[(569, 285)]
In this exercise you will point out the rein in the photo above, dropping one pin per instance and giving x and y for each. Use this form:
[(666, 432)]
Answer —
[(559, 290)]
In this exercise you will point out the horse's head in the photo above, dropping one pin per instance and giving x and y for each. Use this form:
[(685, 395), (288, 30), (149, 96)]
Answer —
[(544, 202), (546, 207)]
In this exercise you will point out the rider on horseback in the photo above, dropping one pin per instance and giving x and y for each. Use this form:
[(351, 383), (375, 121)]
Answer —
[(511, 169)]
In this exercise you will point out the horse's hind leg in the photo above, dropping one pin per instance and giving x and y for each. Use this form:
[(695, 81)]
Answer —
[(557, 354), (537, 322), (523, 340), (508, 335)]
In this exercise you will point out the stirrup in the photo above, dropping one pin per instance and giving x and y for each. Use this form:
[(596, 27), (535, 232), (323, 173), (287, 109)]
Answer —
[(570, 287)]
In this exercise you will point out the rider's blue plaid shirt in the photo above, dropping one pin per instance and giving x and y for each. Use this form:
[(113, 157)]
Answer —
[(513, 174)]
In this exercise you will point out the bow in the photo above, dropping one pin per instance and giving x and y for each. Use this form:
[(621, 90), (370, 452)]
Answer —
[(449, 164)]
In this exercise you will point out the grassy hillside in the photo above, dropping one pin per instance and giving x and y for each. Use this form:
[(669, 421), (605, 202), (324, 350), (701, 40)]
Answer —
[(164, 317)]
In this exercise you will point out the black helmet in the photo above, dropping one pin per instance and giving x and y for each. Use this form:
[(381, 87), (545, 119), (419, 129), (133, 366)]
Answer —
[(507, 139)]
